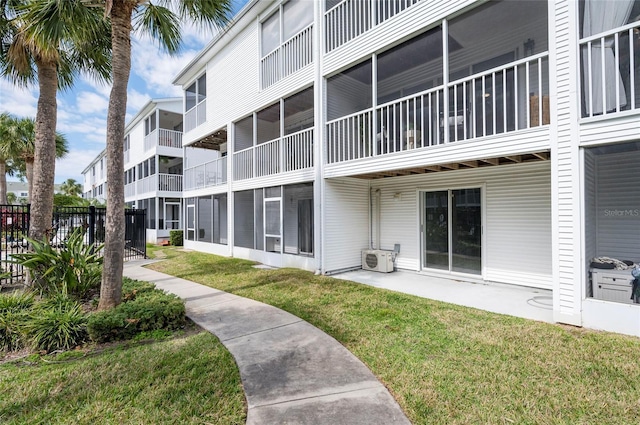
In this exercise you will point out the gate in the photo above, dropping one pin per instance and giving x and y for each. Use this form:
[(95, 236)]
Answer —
[(14, 220)]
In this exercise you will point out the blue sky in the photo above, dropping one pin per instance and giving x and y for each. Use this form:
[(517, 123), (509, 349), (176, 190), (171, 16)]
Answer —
[(82, 110)]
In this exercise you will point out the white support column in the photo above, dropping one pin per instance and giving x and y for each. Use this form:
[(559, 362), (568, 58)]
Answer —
[(230, 201), (568, 271), (319, 135)]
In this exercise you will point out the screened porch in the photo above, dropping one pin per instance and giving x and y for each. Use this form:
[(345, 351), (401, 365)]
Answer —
[(420, 94)]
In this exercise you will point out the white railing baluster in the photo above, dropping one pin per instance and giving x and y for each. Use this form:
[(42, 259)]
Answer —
[(528, 92), (617, 59), (632, 71), (603, 86)]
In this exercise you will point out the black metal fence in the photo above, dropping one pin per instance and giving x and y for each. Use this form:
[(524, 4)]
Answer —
[(14, 222)]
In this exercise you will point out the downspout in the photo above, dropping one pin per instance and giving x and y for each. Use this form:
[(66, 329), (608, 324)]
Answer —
[(372, 193)]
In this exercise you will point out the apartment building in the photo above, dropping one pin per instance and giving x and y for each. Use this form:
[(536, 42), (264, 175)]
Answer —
[(153, 167), (94, 179), (490, 142)]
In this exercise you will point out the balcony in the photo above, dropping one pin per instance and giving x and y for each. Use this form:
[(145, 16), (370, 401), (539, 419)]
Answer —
[(209, 174), (611, 71), (158, 182), (195, 116), (290, 153), (351, 18), (162, 137), (504, 99), (292, 55)]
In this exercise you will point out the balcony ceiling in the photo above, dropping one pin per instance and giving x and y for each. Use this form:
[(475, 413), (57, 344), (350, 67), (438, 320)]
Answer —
[(487, 162), (213, 140)]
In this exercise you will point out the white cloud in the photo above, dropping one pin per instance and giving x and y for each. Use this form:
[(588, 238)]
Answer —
[(71, 166), (21, 102), (90, 102), (135, 102), (157, 68)]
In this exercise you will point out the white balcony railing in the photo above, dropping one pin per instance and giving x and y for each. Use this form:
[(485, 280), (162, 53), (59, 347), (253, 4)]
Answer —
[(195, 116), (290, 153), (163, 137), (147, 184), (129, 190), (155, 182), (503, 99), (267, 158), (170, 182), (611, 71), (292, 55), (298, 148), (212, 173), (351, 18)]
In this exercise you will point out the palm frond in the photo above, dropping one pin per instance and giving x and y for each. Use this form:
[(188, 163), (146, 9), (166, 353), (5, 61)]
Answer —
[(215, 13), (159, 23)]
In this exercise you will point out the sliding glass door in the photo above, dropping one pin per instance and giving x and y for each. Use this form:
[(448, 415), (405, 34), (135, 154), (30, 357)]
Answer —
[(452, 230)]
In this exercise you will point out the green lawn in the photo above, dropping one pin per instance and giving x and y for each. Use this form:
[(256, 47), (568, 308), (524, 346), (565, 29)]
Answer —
[(190, 379), (447, 364)]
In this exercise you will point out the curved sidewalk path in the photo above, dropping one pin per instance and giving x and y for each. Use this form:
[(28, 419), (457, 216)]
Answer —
[(292, 372)]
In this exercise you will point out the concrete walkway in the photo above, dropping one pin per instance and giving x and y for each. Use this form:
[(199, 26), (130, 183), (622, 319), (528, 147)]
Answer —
[(292, 372)]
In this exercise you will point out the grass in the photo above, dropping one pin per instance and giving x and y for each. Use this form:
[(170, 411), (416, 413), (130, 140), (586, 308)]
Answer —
[(447, 364), (190, 379)]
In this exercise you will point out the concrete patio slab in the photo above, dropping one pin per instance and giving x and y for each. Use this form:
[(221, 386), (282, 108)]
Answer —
[(519, 301)]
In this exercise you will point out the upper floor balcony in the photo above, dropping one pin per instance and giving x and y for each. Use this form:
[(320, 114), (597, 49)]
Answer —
[(163, 137), (211, 173), (424, 93), (277, 139), (610, 57), (286, 41), (162, 131), (347, 19), (150, 185), (290, 153)]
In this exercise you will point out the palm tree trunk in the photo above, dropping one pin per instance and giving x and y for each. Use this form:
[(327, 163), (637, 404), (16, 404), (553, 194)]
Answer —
[(29, 164), (3, 182), (111, 288), (41, 194)]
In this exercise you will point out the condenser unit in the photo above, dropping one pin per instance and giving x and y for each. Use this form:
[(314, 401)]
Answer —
[(376, 260)]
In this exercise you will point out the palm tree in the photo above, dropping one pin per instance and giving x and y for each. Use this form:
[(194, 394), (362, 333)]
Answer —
[(25, 148), (50, 41), (8, 142), (71, 187), (155, 19)]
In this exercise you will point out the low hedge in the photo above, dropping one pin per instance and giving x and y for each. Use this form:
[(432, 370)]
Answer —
[(176, 237), (144, 309)]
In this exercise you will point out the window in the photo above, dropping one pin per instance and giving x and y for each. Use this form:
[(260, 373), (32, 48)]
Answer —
[(150, 124), (349, 91), (270, 34), (196, 92)]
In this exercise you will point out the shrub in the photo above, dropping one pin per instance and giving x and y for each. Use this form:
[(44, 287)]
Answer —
[(57, 324), (72, 269), (176, 237), (13, 315), (144, 309), (15, 301)]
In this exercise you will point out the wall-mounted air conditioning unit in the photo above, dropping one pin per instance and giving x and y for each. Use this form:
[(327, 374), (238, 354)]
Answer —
[(376, 260)]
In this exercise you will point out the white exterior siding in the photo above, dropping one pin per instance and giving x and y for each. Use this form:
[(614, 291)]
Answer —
[(345, 224), (517, 226)]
